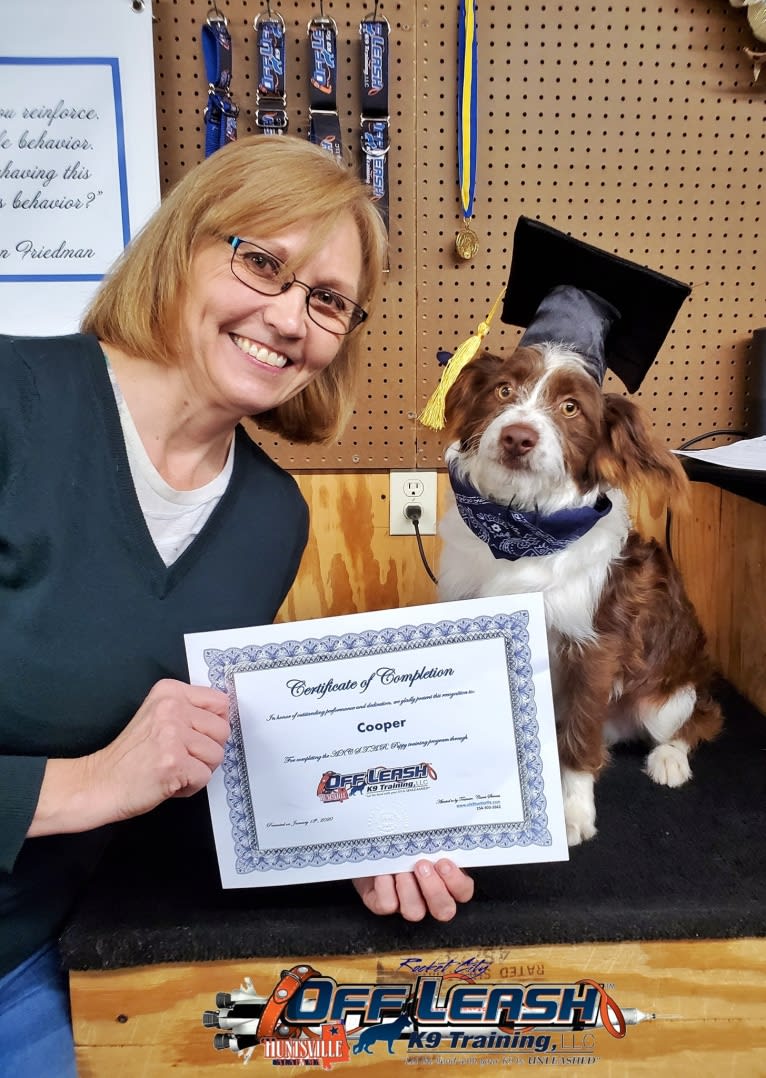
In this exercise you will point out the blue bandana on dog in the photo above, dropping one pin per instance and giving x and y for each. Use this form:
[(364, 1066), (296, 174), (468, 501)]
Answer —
[(511, 534)]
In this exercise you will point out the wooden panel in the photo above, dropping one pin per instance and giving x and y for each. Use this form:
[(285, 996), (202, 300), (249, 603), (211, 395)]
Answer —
[(708, 997), (745, 581), (721, 550), (696, 548), (636, 127), (352, 564)]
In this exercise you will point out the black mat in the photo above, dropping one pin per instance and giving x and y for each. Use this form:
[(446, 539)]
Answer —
[(666, 864)]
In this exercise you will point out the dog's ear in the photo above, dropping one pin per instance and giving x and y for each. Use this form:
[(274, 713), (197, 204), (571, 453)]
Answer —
[(458, 400), (630, 459)]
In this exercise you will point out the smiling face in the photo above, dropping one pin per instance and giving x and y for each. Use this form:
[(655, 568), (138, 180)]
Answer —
[(247, 353)]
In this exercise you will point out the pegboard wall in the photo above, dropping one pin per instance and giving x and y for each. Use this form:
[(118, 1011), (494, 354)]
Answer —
[(637, 127)]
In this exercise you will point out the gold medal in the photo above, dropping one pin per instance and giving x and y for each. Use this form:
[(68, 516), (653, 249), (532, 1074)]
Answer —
[(466, 243)]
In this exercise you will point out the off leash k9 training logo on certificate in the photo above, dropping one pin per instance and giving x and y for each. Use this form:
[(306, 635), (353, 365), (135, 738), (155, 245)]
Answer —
[(376, 780)]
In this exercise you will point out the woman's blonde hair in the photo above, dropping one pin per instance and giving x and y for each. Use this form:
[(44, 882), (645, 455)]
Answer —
[(259, 185)]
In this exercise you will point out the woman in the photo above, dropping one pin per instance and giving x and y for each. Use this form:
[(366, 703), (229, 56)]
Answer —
[(134, 508)]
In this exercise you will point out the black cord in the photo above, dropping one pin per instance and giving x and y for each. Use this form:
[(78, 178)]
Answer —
[(668, 543), (413, 513), (416, 526), (713, 434)]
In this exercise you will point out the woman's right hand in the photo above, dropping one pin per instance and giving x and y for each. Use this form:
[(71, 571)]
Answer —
[(169, 748)]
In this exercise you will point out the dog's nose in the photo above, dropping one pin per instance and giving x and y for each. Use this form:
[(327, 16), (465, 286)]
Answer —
[(518, 439)]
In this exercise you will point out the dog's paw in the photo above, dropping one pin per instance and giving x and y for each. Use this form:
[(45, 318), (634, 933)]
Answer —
[(579, 829), (668, 764), (579, 806), (580, 820)]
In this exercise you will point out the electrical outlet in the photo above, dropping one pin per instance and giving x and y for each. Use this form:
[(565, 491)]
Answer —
[(412, 488)]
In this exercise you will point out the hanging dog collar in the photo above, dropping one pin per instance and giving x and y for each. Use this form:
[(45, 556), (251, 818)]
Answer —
[(221, 112), (270, 95), (324, 124), (512, 534), (375, 137)]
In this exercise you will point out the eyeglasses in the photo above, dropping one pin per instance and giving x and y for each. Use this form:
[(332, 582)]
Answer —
[(268, 275)]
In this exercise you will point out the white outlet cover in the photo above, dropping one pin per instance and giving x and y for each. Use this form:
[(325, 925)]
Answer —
[(401, 487)]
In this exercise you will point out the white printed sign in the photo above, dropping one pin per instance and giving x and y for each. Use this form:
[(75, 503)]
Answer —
[(63, 194), (78, 155)]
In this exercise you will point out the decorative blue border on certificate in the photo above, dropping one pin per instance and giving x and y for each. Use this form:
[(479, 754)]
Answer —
[(531, 830), (114, 64)]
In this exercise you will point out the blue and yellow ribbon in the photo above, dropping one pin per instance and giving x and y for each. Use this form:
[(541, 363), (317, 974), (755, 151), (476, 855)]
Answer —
[(467, 105)]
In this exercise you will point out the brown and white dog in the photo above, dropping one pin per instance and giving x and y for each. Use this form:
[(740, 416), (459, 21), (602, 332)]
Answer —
[(537, 442)]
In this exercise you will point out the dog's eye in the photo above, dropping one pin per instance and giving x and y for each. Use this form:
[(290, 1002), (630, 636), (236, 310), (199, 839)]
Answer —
[(570, 408), (504, 392)]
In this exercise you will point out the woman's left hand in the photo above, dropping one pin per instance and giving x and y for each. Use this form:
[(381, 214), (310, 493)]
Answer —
[(431, 888)]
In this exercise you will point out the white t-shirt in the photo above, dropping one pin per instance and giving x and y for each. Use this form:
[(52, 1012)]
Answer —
[(174, 517)]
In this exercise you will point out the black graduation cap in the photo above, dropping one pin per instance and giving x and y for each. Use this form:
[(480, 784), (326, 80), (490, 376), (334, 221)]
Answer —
[(612, 312)]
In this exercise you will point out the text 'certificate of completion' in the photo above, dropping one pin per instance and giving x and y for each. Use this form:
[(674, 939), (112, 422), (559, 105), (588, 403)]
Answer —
[(361, 744)]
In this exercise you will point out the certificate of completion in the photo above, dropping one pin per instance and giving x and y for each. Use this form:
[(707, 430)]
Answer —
[(362, 744)]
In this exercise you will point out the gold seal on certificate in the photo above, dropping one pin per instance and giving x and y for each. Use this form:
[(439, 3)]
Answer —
[(466, 243)]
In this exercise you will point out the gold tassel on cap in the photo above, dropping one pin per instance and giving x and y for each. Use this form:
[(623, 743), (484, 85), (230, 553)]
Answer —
[(433, 414)]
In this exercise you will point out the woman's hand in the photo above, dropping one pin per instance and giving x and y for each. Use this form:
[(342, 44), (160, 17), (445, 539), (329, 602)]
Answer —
[(169, 748), (431, 888)]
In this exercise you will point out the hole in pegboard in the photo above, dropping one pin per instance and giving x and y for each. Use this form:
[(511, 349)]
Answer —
[(635, 127)]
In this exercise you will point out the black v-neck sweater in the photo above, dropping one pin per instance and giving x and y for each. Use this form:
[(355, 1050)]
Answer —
[(90, 616)]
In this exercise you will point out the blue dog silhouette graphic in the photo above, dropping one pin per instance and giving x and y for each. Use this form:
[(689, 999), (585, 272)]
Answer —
[(385, 1031)]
